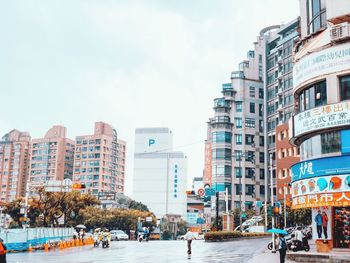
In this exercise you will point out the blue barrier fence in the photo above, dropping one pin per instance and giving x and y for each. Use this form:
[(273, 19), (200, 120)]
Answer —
[(20, 239)]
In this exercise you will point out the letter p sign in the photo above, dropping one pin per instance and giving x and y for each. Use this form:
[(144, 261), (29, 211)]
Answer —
[(151, 141)]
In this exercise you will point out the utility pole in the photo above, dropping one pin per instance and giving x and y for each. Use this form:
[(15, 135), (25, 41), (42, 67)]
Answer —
[(273, 217), (240, 192), (217, 211), (284, 204), (227, 215)]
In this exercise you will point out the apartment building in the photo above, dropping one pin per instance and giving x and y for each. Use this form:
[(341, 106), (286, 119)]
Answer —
[(51, 157), (99, 160), (14, 164)]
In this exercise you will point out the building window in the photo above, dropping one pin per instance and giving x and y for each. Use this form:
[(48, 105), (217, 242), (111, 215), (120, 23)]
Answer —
[(249, 172), (260, 110), (222, 137), (261, 126), (249, 139), (238, 139), (249, 189), (250, 123), (261, 157), (238, 172), (238, 189), (252, 107), (261, 141), (261, 93), (239, 106), (316, 16), (262, 189), (222, 154), (238, 122), (260, 59), (252, 92), (261, 174), (222, 170), (345, 88), (313, 96), (238, 155)]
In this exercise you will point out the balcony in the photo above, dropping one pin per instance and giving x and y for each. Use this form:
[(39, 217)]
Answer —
[(341, 32)]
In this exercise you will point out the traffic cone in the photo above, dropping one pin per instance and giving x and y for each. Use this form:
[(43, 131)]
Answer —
[(30, 249), (77, 242), (61, 245), (72, 244), (46, 247)]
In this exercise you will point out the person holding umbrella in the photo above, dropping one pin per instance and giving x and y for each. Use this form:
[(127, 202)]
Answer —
[(280, 242)]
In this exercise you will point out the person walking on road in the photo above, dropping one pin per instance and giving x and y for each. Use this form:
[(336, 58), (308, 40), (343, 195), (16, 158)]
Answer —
[(281, 244), (189, 236), (318, 220), (2, 251)]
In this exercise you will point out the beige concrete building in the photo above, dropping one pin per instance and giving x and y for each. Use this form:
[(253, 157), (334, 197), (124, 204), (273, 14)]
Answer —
[(52, 156), (14, 152), (99, 160)]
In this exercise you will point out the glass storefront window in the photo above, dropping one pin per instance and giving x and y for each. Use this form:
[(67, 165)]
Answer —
[(345, 88), (325, 143), (313, 96)]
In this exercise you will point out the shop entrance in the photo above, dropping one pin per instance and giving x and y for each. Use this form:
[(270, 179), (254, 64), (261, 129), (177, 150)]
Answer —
[(341, 227)]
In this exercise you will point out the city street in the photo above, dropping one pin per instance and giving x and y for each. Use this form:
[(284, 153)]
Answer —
[(153, 251)]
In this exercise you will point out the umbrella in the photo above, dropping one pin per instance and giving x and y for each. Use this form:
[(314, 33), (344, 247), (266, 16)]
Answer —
[(277, 231), (81, 226)]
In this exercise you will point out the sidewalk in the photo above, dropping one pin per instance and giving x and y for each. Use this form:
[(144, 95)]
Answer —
[(313, 256), (268, 257)]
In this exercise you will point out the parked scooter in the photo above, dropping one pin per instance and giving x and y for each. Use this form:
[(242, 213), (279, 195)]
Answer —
[(300, 245)]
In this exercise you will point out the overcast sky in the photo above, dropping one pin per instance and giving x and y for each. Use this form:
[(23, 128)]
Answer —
[(129, 63)]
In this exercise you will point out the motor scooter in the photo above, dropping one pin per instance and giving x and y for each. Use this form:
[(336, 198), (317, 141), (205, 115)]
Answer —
[(105, 242), (298, 245)]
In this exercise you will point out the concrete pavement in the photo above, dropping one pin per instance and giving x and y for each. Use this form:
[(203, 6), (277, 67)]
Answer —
[(240, 251)]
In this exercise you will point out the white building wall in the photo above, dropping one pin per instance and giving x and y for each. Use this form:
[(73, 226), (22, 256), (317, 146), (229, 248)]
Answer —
[(160, 177)]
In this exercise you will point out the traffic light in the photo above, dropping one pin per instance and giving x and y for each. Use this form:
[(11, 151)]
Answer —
[(78, 186), (276, 210), (269, 210), (190, 192)]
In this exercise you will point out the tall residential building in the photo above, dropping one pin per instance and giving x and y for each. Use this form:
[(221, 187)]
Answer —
[(99, 160), (279, 42), (160, 174), (14, 164), (321, 121), (52, 156), (237, 135)]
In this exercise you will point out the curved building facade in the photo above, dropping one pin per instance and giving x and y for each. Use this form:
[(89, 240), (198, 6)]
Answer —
[(321, 121)]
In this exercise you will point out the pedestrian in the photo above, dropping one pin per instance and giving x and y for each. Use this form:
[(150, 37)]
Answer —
[(189, 236), (281, 245), (318, 220), (2, 251), (325, 224)]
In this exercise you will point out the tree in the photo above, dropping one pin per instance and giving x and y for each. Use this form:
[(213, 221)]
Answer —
[(138, 206)]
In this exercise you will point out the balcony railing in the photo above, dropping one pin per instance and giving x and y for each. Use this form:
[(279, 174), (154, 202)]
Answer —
[(340, 32)]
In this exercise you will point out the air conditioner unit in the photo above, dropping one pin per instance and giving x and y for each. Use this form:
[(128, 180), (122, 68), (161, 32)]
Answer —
[(340, 32)]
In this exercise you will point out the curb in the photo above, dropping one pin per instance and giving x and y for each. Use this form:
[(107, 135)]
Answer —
[(318, 258)]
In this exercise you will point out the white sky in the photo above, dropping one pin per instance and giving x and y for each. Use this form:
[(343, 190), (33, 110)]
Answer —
[(129, 63)]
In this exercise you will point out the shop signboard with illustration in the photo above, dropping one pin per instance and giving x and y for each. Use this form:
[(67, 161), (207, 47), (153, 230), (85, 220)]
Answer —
[(321, 199), (323, 184), (321, 167), (328, 116)]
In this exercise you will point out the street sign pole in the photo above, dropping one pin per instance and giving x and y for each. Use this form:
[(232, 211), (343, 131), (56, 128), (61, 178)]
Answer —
[(217, 211)]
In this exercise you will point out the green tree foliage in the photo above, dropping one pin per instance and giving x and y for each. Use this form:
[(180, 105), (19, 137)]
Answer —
[(138, 206), (114, 218)]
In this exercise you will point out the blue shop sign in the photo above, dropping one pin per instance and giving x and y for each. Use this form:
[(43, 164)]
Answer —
[(321, 167)]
